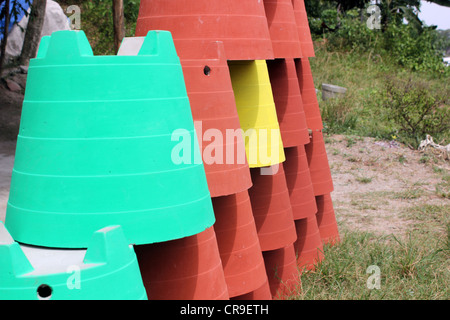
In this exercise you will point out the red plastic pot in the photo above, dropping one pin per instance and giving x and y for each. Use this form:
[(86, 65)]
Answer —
[(282, 272), (309, 95), (299, 183), (303, 30), (283, 28), (262, 293), (272, 209), (213, 107), (326, 220), (319, 167), (238, 243), (308, 247), (241, 25), (288, 102), (185, 269)]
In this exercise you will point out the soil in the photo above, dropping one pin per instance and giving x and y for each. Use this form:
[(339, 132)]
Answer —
[(375, 182)]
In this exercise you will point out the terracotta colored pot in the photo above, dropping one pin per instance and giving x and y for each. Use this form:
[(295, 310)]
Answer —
[(319, 167), (185, 269), (282, 272), (283, 29), (303, 30), (288, 102), (309, 95), (241, 25), (309, 247), (262, 293), (299, 183), (326, 220), (213, 106), (238, 242), (272, 209)]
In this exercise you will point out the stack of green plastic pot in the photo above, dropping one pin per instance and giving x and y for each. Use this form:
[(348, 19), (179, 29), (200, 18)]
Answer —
[(96, 148), (107, 270)]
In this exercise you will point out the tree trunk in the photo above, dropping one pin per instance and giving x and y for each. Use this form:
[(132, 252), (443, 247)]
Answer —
[(34, 30), (5, 35), (119, 23)]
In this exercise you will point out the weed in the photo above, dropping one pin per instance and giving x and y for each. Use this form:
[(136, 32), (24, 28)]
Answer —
[(364, 179), (401, 158), (408, 194)]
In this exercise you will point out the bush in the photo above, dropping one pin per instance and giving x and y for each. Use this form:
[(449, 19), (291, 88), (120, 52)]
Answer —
[(417, 109), (414, 49), (97, 22), (410, 46), (339, 115)]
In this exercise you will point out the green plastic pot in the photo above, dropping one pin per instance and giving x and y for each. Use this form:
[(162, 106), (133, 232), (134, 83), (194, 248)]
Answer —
[(107, 270), (99, 145)]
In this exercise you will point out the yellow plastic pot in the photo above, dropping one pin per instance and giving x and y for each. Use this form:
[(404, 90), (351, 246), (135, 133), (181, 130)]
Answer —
[(257, 113)]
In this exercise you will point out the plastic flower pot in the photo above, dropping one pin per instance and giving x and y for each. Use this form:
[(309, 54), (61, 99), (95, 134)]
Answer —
[(272, 210), (304, 31), (283, 29), (213, 107), (184, 269), (326, 220), (288, 102), (107, 270), (282, 272), (262, 293), (241, 25), (257, 113), (308, 247), (309, 95), (319, 167), (99, 145), (238, 242), (298, 179), (210, 92)]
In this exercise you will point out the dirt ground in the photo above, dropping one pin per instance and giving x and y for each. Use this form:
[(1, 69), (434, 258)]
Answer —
[(374, 181)]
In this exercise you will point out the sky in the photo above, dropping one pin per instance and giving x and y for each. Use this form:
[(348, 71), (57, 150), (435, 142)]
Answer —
[(433, 14)]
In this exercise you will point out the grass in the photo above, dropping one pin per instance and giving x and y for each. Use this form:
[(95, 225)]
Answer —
[(415, 266), (360, 112), (411, 268), (408, 194), (443, 187), (364, 179)]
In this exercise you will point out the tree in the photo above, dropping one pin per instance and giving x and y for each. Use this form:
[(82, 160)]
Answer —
[(118, 23), (6, 10), (445, 3), (33, 32), (10, 10)]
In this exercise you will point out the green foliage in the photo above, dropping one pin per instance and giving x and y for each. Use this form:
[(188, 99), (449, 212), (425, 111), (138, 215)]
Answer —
[(97, 22), (443, 40), (339, 116), (415, 50), (416, 109), (412, 45)]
